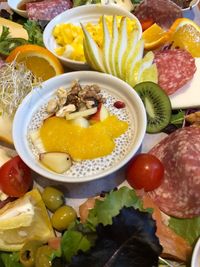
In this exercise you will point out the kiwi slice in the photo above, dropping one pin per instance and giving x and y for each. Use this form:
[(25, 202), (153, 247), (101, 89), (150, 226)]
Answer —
[(157, 105)]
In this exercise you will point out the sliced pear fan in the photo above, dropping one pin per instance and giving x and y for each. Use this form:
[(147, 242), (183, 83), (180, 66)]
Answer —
[(121, 55), (96, 54)]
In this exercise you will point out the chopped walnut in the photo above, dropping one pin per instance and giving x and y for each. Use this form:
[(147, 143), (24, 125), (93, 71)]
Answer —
[(193, 118), (52, 106), (80, 97)]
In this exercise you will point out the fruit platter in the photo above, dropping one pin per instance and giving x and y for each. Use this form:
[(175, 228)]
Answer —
[(99, 133)]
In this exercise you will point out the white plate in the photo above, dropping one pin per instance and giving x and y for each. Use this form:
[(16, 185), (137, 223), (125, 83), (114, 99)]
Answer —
[(83, 14), (196, 255), (189, 95), (13, 4)]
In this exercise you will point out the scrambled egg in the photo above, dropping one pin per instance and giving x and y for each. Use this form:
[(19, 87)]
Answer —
[(69, 37)]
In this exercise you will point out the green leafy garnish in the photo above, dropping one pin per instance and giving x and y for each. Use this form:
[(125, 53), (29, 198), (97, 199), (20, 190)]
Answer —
[(189, 229), (72, 242), (34, 32), (109, 207), (10, 259), (85, 2), (5, 33), (178, 118)]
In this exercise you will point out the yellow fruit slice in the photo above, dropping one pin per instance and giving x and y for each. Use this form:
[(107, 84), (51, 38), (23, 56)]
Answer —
[(22, 219), (185, 33), (154, 37), (39, 60), (58, 134), (178, 23)]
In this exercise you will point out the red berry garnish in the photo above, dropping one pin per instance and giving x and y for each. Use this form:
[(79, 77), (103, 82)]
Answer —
[(119, 104)]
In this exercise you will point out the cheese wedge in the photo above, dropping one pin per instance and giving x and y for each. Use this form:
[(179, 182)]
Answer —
[(16, 29), (6, 129)]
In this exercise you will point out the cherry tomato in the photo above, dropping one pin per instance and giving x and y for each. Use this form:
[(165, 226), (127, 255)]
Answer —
[(15, 177), (145, 171)]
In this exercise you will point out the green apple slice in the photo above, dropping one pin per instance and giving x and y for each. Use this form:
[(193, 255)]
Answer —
[(149, 75), (106, 45), (135, 57), (113, 45), (95, 53), (140, 66), (132, 41), (121, 47)]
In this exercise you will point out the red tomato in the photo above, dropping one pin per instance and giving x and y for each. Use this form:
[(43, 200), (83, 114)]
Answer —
[(145, 171), (15, 177)]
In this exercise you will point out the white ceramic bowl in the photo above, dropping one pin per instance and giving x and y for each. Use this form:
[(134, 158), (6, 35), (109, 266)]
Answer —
[(83, 171), (14, 5), (84, 14), (196, 255)]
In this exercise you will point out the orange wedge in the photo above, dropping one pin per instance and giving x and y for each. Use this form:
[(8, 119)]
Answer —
[(154, 37), (185, 33), (39, 60)]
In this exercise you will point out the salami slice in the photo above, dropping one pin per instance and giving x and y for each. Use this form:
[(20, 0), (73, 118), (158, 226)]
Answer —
[(179, 194), (175, 68), (47, 9), (163, 12)]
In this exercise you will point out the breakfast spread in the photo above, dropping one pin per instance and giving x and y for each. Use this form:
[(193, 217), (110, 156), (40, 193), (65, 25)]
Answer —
[(82, 128)]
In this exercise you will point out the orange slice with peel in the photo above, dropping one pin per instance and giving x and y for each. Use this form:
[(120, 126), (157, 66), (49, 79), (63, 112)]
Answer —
[(39, 60), (154, 37), (185, 33)]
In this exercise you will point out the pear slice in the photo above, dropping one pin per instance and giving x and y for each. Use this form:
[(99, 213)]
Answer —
[(132, 41), (106, 46), (121, 47), (113, 45), (58, 162), (87, 56), (135, 57), (149, 74), (95, 53), (140, 66)]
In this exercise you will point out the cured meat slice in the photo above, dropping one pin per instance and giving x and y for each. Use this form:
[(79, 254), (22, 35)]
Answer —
[(173, 245), (179, 194), (47, 10), (175, 68), (163, 12)]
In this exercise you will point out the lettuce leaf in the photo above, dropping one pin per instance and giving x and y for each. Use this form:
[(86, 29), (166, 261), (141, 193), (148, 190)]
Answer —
[(189, 229), (129, 241), (104, 210), (72, 242), (8, 259)]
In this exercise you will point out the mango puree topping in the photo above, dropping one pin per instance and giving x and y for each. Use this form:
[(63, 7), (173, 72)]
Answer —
[(59, 135)]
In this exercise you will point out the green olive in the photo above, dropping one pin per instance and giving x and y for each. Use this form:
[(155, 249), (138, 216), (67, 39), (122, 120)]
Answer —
[(53, 198), (43, 256), (63, 217), (27, 253)]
